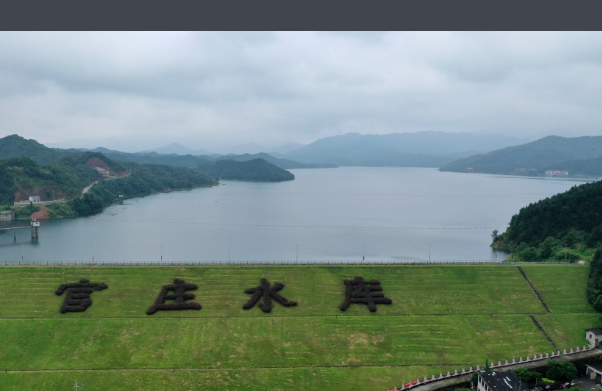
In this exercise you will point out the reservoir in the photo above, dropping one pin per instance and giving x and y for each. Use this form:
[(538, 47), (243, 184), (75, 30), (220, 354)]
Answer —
[(392, 214)]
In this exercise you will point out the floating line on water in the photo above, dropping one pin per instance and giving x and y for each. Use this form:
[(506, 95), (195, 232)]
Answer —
[(290, 225)]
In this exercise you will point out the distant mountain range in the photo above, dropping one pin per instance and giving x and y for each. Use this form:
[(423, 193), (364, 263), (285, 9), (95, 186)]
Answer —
[(420, 149), (460, 152), (580, 156), (15, 146), (179, 149), (280, 162), (239, 149)]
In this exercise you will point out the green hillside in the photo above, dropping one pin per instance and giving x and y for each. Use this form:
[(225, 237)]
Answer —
[(567, 225), (548, 153), (257, 170), (280, 162), (64, 178), (247, 170), (186, 161), (68, 176), (441, 318), (583, 167), (16, 146), (143, 179)]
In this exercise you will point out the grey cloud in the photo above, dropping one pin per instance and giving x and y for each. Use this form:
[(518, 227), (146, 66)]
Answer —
[(268, 86)]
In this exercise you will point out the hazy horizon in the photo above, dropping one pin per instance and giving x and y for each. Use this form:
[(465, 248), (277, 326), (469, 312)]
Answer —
[(216, 90)]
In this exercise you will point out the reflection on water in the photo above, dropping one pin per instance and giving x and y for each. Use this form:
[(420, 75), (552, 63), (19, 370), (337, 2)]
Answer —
[(386, 214)]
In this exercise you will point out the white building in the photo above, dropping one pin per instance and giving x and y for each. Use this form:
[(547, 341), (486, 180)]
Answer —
[(35, 199), (103, 171), (593, 336)]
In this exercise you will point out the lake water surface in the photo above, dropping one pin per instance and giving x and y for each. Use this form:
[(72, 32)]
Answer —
[(389, 214)]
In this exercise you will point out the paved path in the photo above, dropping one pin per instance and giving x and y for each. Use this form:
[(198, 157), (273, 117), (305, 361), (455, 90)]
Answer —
[(86, 189), (531, 364)]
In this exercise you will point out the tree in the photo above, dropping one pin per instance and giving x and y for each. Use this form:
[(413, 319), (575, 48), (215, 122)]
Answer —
[(529, 254), (595, 236), (561, 370), (594, 282), (546, 248), (527, 376)]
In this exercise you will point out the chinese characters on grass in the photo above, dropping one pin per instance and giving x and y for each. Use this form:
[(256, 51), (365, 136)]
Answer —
[(78, 295), (357, 291), (179, 288), (267, 293)]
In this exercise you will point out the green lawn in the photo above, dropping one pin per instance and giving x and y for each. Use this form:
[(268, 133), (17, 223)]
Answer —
[(562, 287), (287, 379), (568, 331), (444, 317), (319, 291), (273, 342)]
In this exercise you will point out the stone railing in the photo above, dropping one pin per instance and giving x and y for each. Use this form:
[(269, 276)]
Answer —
[(541, 357)]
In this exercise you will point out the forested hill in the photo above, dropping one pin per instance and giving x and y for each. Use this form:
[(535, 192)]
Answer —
[(144, 179), (21, 177), (66, 178), (187, 161), (548, 153), (253, 170), (572, 218), (16, 146), (584, 167), (280, 162)]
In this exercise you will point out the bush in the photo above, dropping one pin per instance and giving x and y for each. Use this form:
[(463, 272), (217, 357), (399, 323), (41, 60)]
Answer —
[(594, 283), (561, 370), (26, 211), (527, 376), (60, 209), (530, 254)]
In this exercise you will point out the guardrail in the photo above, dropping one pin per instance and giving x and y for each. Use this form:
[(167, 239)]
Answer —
[(26, 203), (277, 263), (426, 380)]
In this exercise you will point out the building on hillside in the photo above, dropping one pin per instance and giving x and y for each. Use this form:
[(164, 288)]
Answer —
[(594, 371), (103, 172), (499, 381), (593, 336), (35, 199), (556, 173), (7, 215)]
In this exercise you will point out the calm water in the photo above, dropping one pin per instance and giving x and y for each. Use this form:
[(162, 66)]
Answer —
[(392, 214)]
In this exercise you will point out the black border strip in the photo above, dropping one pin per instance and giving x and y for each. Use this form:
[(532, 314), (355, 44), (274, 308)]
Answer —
[(474, 15)]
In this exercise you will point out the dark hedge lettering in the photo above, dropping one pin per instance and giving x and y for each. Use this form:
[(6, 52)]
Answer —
[(268, 293), (179, 287), (78, 295), (363, 292)]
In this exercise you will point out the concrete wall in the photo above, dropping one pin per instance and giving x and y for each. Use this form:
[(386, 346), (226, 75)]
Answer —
[(7, 216)]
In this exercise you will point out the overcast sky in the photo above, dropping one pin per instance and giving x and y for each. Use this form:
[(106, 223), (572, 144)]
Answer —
[(134, 91)]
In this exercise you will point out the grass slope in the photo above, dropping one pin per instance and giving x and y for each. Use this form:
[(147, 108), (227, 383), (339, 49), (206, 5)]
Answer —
[(415, 290), (442, 318), (562, 287)]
